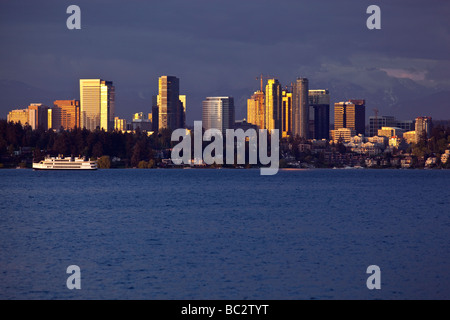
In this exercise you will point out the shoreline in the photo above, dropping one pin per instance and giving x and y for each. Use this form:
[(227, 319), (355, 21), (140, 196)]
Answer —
[(231, 168)]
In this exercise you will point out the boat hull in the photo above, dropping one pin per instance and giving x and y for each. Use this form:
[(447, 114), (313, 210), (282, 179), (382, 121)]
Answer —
[(64, 169)]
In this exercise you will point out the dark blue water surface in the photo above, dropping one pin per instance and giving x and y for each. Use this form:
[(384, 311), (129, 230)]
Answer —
[(225, 234)]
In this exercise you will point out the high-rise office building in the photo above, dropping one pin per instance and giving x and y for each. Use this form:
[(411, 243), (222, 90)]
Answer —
[(273, 105), (18, 116), (423, 127), (218, 113), (286, 113), (357, 115), (97, 104), (66, 114), (320, 101), (350, 114), (38, 116), (256, 110), (300, 108), (170, 108), (340, 115)]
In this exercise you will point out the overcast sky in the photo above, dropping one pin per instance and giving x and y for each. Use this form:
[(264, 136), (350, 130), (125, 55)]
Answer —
[(219, 47)]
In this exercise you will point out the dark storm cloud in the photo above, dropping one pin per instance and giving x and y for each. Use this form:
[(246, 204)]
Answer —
[(219, 47)]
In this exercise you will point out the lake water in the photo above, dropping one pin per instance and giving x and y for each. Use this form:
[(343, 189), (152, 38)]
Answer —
[(225, 234)]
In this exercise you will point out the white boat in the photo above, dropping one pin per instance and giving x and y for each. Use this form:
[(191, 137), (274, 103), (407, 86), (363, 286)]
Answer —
[(62, 163)]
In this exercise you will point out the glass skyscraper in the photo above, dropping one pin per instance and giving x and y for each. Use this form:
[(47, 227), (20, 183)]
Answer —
[(170, 107), (273, 105), (97, 104), (320, 101), (350, 114), (300, 108), (218, 113)]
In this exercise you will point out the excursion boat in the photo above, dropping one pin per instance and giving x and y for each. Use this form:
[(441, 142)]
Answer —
[(62, 163)]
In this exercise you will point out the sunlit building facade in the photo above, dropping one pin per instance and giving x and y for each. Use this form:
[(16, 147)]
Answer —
[(286, 112), (65, 114), (342, 135), (120, 124), (170, 108), (183, 101), (256, 109), (350, 114), (97, 104), (273, 105), (142, 122), (18, 115), (38, 116), (391, 132), (410, 137), (50, 118), (423, 127)]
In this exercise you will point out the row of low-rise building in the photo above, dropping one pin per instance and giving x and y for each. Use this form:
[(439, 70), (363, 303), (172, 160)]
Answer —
[(94, 109), (63, 114), (395, 135)]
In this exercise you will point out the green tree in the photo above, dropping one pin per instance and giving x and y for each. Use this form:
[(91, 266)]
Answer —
[(104, 162), (151, 164), (142, 164)]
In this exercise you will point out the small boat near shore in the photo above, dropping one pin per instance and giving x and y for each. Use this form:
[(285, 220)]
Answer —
[(65, 163)]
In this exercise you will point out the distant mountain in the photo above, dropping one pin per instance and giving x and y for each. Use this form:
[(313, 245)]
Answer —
[(436, 105), (402, 98), (17, 94)]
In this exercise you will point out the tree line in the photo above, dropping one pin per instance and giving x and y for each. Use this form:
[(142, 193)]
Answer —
[(20, 143)]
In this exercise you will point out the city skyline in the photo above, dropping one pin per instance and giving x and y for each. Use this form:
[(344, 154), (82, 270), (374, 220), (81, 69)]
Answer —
[(392, 68), (220, 154), (288, 110)]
